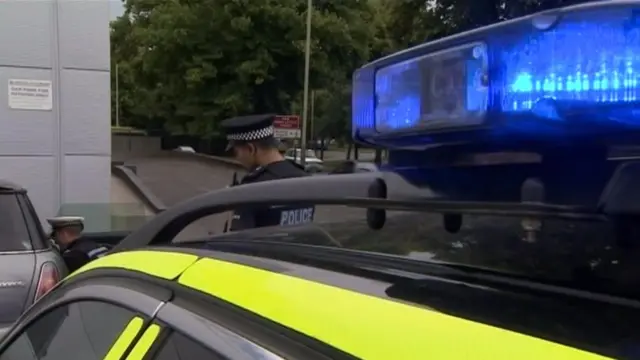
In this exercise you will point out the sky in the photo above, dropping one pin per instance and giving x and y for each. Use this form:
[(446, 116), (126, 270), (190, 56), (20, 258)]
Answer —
[(115, 9)]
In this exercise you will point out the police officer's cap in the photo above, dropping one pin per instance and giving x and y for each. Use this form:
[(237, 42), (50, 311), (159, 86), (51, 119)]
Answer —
[(61, 222), (244, 129)]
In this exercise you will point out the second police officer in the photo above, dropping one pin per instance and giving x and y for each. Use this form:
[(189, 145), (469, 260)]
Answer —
[(251, 138), (66, 232)]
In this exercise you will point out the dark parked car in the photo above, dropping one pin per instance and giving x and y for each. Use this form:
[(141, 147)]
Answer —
[(29, 265), (351, 166)]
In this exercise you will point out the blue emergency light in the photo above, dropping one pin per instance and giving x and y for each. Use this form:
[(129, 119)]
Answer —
[(567, 73)]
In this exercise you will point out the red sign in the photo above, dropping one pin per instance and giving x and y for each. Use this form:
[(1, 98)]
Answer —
[(287, 122), (287, 126)]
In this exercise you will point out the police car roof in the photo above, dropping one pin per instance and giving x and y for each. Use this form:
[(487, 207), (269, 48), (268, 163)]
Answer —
[(305, 277), (349, 312)]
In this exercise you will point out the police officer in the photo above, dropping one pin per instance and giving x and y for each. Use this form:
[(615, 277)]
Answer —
[(76, 251), (253, 143)]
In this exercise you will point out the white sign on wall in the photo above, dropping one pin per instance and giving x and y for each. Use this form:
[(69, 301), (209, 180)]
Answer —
[(30, 94)]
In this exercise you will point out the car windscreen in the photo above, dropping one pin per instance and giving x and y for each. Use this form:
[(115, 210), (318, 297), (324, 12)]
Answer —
[(580, 254), (14, 235), (562, 251)]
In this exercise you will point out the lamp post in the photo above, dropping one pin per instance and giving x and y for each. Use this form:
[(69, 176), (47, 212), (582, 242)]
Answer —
[(305, 99), (117, 96), (312, 118)]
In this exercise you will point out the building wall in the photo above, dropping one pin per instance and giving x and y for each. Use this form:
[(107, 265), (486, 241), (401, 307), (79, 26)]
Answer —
[(60, 155)]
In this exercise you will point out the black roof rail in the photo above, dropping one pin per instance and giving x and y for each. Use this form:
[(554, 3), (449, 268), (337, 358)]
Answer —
[(349, 190), (321, 190)]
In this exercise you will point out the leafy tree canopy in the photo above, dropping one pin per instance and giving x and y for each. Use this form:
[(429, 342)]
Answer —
[(185, 65)]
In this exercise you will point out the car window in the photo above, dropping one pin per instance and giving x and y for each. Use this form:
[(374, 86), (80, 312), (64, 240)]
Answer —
[(35, 228), (80, 331), (180, 347), (20, 349), (13, 229)]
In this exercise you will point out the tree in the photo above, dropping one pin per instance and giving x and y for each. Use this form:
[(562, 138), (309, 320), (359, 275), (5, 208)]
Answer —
[(333, 102), (413, 22), (187, 64)]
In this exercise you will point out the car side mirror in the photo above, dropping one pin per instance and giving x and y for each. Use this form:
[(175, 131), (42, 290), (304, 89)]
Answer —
[(54, 244)]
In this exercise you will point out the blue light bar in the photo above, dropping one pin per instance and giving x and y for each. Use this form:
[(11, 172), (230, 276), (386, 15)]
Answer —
[(572, 72), (590, 57), (434, 90), (362, 102)]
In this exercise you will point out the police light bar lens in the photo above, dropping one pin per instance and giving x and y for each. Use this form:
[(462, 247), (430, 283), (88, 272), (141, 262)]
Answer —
[(587, 58), (362, 101), (442, 89), (570, 73)]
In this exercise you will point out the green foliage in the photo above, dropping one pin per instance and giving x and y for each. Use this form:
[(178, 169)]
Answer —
[(411, 22), (185, 65)]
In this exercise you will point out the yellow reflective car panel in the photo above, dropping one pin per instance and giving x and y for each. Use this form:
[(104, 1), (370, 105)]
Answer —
[(121, 344), (144, 344), (162, 264), (365, 326)]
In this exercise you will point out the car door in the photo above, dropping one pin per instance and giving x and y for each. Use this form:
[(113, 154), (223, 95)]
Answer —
[(95, 319), (19, 255), (84, 330)]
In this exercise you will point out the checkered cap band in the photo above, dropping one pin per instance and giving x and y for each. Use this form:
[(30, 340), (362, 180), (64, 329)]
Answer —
[(252, 135)]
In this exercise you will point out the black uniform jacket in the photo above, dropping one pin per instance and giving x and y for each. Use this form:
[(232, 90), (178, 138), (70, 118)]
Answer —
[(253, 217), (81, 251)]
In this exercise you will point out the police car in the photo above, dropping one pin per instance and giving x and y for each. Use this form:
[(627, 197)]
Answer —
[(537, 89), (263, 295)]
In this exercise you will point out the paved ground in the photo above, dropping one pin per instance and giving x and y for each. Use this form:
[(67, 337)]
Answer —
[(174, 180), (126, 200), (363, 155)]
